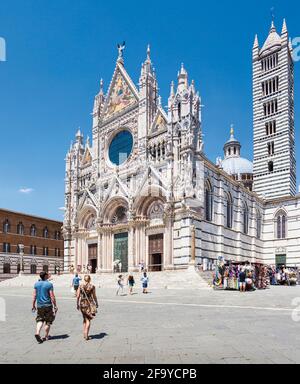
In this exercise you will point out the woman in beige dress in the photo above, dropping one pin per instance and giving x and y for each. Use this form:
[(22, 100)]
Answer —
[(87, 303)]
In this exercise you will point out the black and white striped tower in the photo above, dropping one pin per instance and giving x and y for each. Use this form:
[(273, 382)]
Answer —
[(273, 114)]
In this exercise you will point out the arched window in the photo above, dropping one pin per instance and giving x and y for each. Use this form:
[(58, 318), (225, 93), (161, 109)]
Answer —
[(57, 235), (6, 268), (33, 250), (46, 233), (33, 230), (20, 229), (228, 210), (258, 224), (179, 111), (90, 222), (271, 166), (6, 226), (120, 215), (245, 219), (6, 247), (208, 201), (281, 222)]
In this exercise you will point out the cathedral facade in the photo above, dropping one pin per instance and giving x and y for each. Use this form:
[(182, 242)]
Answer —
[(144, 191)]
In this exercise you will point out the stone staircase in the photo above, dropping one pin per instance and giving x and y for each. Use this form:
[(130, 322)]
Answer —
[(207, 276), (4, 277), (181, 279)]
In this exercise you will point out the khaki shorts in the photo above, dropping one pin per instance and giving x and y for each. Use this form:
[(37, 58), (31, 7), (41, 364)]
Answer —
[(45, 315)]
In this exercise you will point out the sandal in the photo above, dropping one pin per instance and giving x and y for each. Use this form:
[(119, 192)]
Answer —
[(39, 339)]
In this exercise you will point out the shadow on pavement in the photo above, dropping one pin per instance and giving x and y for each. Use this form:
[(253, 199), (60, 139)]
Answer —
[(59, 337), (99, 336)]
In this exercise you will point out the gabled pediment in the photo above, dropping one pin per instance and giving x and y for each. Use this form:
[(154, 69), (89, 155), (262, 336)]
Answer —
[(151, 178), (116, 188), (160, 122), (87, 199), (122, 93), (87, 158)]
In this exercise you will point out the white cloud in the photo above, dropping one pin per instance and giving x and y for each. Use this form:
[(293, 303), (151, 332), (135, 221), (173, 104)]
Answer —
[(62, 208), (26, 191)]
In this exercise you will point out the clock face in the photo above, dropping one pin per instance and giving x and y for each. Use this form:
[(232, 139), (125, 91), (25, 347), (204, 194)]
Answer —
[(120, 147)]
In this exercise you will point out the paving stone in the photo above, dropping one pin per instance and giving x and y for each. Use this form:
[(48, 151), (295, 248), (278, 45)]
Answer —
[(164, 327)]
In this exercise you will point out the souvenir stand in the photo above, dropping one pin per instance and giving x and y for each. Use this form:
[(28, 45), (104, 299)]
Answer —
[(227, 275), (287, 275)]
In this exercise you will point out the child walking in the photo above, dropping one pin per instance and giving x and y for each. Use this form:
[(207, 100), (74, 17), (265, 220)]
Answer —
[(120, 285), (145, 280), (131, 283)]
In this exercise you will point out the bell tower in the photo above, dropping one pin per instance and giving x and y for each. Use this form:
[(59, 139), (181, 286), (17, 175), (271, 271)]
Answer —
[(273, 114)]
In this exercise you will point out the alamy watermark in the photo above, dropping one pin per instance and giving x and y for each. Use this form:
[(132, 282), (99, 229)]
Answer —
[(296, 310), (296, 49), (2, 310), (2, 49)]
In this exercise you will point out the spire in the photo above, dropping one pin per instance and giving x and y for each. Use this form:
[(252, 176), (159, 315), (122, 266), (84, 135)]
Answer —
[(231, 131), (182, 78), (172, 92), (183, 71), (79, 136), (284, 28), (193, 86), (256, 44), (273, 40), (272, 29), (147, 65), (148, 53), (101, 87)]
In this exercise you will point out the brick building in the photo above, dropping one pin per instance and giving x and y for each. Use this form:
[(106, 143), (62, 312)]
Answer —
[(29, 243)]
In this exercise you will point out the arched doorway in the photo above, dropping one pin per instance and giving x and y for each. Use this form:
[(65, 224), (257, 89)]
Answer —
[(89, 244), (119, 218), (93, 252), (156, 252), (121, 252), (155, 214)]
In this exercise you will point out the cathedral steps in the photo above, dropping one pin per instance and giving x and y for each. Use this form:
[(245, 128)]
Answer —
[(183, 279)]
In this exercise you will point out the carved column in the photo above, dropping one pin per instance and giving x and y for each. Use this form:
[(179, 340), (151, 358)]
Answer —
[(131, 261), (99, 253)]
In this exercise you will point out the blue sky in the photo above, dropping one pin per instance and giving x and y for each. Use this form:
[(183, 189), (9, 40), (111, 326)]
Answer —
[(58, 50)]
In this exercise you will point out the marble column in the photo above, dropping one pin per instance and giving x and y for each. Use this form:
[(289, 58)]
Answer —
[(168, 244), (131, 258), (99, 253)]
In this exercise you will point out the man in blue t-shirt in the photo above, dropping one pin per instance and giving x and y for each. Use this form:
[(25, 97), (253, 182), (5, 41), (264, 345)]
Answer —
[(76, 283), (43, 296)]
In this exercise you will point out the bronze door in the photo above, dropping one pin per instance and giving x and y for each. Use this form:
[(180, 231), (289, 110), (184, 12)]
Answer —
[(156, 252), (93, 257), (121, 251)]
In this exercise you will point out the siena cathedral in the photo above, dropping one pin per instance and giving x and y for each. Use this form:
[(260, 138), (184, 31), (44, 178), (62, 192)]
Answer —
[(143, 191)]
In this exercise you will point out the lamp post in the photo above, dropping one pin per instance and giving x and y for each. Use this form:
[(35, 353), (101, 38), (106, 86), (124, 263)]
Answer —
[(21, 247)]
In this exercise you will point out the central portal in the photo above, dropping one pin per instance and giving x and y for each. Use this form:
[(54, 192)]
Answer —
[(156, 252), (121, 250), (93, 251)]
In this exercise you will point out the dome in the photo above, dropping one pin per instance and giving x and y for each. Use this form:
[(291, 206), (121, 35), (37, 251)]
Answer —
[(236, 165)]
